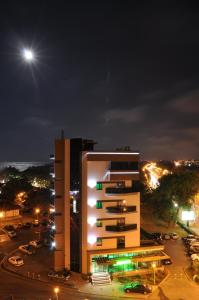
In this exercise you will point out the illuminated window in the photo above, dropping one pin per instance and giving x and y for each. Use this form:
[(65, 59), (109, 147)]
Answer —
[(99, 204), (99, 186), (99, 241), (99, 223)]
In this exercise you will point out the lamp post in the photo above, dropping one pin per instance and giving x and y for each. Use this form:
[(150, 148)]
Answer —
[(56, 291), (154, 266), (37, 211)]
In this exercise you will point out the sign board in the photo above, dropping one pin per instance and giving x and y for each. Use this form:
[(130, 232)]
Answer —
[(188, 215)]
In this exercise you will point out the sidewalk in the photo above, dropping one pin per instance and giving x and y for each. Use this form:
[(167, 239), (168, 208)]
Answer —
[(37, 268)]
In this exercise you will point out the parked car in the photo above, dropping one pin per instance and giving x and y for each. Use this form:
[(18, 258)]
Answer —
[(136, 287), (166, 236), (156, 235), (16, 261), (36, 243), (174, 236), (191, 251), (63, 275), (19, 226), (26, 249), (12, 233), (195, 256), (27, 225), (167, 261), (9, 227), (194, 248), (189, 236), (194, 243)]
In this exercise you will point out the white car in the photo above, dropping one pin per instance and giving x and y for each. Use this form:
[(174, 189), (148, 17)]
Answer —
[(174, 236), (195, 257), (16, 261), (166, 236), (25, 249), (12, 233), (36, 244), (194, 243)]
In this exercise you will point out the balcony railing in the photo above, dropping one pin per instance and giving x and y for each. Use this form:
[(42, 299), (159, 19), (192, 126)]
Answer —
[(121, 228), (121, 190), (120, 209)]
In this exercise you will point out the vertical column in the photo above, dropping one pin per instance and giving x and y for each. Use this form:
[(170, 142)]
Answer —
[(84, 258), (62, 204)]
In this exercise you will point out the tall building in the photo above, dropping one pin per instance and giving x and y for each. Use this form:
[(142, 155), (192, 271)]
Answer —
[(67, 193), (98, 223), (110, 209)]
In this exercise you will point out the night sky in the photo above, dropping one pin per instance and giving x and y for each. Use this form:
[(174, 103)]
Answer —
[(124, 73)]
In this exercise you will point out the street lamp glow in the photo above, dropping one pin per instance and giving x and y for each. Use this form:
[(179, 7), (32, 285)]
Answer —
[(56, 291), (28, 55), (37, 210)]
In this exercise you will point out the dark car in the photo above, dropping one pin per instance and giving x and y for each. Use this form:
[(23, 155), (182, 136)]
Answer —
[(27, 225), (136, 287), (156, 235), (9, 227), (167, 261)]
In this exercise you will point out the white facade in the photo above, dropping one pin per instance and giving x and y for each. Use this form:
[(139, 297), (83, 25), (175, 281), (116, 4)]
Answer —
[(109, 216)]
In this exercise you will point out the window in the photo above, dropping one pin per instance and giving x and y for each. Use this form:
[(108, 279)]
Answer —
[(99, 241), (99, 204), (99, 223), (99, 186)]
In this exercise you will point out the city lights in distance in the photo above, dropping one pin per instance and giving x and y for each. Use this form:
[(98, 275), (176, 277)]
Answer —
[(91, 220), (91, 183), (92, 239), (92, 202)]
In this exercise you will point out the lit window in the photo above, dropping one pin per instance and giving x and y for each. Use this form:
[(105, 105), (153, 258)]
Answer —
[(99, 241), (99, 223), (99, 186), (99, 204)]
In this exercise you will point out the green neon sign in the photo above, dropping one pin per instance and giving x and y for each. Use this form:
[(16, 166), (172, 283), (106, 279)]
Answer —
[(122, 262)]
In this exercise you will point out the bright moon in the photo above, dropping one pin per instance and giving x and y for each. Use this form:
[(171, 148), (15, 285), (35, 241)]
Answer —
[(28, 55)]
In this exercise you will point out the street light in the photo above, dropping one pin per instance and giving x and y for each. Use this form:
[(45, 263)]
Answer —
[(37, 211), (56, 291), (154, 266)]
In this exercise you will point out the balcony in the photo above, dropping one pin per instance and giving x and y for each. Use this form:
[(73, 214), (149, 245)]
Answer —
[(121, 228), (120, 209), (121, 190)]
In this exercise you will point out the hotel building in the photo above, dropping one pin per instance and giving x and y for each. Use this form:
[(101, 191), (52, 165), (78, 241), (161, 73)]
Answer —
[(108, 216)]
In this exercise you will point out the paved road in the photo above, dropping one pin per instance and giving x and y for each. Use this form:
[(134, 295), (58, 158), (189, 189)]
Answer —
[(177, 286), (22, 289)]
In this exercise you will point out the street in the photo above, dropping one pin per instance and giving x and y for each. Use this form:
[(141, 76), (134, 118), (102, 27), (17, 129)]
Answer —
[(177, 286)]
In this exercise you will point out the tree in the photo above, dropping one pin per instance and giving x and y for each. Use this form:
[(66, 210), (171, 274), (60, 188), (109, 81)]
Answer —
[(174, 192), (14, 187)]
